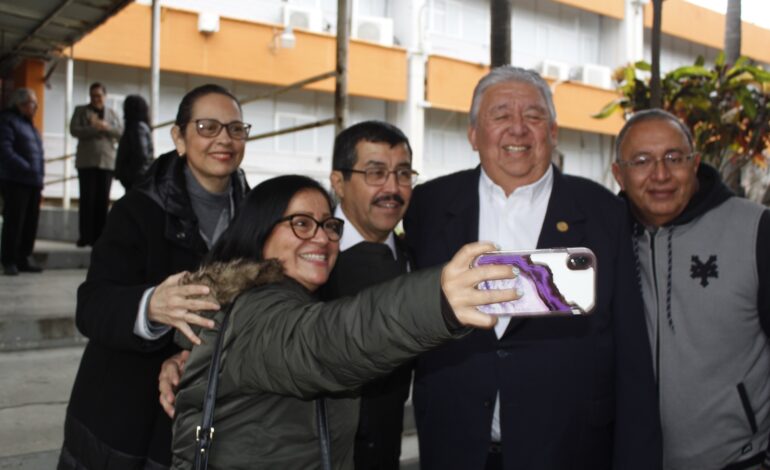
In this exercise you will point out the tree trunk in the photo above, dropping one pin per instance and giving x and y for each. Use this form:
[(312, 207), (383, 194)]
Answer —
[(732, 32), (500, 46), (656, 100)]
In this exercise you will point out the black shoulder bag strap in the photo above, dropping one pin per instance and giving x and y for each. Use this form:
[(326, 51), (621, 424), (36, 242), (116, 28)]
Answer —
[(323, 433), (204, 433)]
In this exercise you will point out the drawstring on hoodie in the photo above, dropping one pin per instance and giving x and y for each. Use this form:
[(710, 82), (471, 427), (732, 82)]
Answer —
[(670, 255), (668, 281)]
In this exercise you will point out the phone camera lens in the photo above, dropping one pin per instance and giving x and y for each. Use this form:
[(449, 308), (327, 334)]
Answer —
[(579, 262)]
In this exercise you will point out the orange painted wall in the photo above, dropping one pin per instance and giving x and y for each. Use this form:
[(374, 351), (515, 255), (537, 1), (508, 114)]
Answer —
[(242, 51), (611, 8), (703, 26), (451, 82), (30, 74)]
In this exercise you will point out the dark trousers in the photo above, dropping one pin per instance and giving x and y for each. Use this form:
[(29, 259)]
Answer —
[(21, 210), (95, 186)]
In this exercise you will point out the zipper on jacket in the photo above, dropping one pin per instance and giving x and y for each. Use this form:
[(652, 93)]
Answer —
[(657, 311), (747, 407)]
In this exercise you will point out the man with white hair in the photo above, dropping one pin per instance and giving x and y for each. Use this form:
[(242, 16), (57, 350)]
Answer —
[(538, 393), (21, 182)]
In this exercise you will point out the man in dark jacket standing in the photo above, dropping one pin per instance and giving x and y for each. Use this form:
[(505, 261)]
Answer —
[(372, 176), (704, 266), (21, 182), (535, 393)]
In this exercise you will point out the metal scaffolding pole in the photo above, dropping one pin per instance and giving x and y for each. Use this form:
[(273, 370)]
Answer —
[(341, 82), (155, 63), (67, 162)]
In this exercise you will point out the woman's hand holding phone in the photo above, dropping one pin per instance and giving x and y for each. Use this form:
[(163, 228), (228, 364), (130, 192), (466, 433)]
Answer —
[(459, 283)]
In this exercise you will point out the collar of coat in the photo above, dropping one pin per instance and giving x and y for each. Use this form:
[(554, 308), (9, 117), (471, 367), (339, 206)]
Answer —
[(226, 280)]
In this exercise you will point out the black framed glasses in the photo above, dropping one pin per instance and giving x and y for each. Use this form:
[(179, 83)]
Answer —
[(305, 227), (211, 128), (379, 176), (644, 163)]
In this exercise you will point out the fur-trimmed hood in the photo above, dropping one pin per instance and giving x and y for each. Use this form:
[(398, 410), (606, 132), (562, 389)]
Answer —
[(227, 280)]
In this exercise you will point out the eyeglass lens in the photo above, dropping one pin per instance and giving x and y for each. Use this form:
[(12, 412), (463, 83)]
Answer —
[(211, 128), (378, 176), (305, 227)]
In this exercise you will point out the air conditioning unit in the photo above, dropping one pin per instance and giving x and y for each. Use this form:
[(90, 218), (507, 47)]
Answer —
[(208, 22), (555, 70), (595, 75), (374, 29), (297, 16)]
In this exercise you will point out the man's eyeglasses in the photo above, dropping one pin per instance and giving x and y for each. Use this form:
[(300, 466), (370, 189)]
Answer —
[(211, 128), (305, 227), (379, 176), (644, 163)]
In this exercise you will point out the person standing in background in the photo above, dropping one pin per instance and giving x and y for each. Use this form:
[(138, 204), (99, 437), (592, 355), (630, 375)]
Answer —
[(97, 129), (135, 148), (21, 182)]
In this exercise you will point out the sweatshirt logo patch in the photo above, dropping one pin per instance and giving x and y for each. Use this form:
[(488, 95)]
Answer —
[(699, 269)]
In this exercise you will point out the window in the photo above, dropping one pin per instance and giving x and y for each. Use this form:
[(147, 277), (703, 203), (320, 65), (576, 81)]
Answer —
[(295, 143), (446, 18)]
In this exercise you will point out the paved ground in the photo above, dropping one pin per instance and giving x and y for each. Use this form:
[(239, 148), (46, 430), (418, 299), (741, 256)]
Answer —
[(34, 389)]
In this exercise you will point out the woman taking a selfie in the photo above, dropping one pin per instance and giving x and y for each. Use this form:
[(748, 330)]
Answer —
[(131, 297), (282, 349)]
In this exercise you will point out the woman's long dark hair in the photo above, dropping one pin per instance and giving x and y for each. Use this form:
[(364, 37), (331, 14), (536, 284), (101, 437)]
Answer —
[(135, 109), (261, 209)]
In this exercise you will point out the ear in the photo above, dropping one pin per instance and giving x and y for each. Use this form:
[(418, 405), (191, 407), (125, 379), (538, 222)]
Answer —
[(616, 172), (554, 134), (472, 136), (337, 180), (178, 138), (696, 159)]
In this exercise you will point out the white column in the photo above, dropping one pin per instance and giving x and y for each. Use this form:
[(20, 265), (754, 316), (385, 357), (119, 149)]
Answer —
[(155, 65), (68, 163), (633, 31), (410, 115)]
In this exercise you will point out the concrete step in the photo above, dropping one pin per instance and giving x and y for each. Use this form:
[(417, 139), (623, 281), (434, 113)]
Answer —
[(34, 389), (55, 254), (56, 223), (38, 310)]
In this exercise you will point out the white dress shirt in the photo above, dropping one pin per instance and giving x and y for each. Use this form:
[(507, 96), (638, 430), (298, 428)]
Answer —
[(351, 236), (513, 223)]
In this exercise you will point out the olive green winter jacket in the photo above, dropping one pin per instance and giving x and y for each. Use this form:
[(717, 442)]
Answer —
[(282, 349)]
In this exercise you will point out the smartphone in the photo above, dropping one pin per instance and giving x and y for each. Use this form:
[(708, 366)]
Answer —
[(558, 281)]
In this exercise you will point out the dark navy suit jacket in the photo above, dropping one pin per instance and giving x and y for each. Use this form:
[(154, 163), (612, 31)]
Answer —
[(575, 392)]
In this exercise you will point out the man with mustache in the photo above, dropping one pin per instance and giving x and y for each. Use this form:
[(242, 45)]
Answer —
[(538, 393), (372, 177)]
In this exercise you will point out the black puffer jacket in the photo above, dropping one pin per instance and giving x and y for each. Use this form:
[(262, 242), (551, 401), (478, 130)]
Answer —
[(21, 150), (135, 153), (114, 420)]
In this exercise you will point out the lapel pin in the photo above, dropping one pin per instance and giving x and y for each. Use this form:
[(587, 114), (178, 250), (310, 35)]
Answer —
[(562, 226)]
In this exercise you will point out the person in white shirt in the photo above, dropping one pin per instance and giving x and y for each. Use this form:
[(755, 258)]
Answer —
[(537, 393)]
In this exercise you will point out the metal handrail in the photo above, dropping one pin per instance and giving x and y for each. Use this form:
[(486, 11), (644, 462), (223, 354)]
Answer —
[(288, 130), (59, 180), (60, 157)]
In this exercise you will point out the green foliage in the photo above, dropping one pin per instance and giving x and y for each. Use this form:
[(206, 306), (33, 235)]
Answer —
[(726, 108)]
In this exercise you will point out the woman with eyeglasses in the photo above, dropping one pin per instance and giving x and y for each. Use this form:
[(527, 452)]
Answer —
[(132, 298), (283, 349)]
